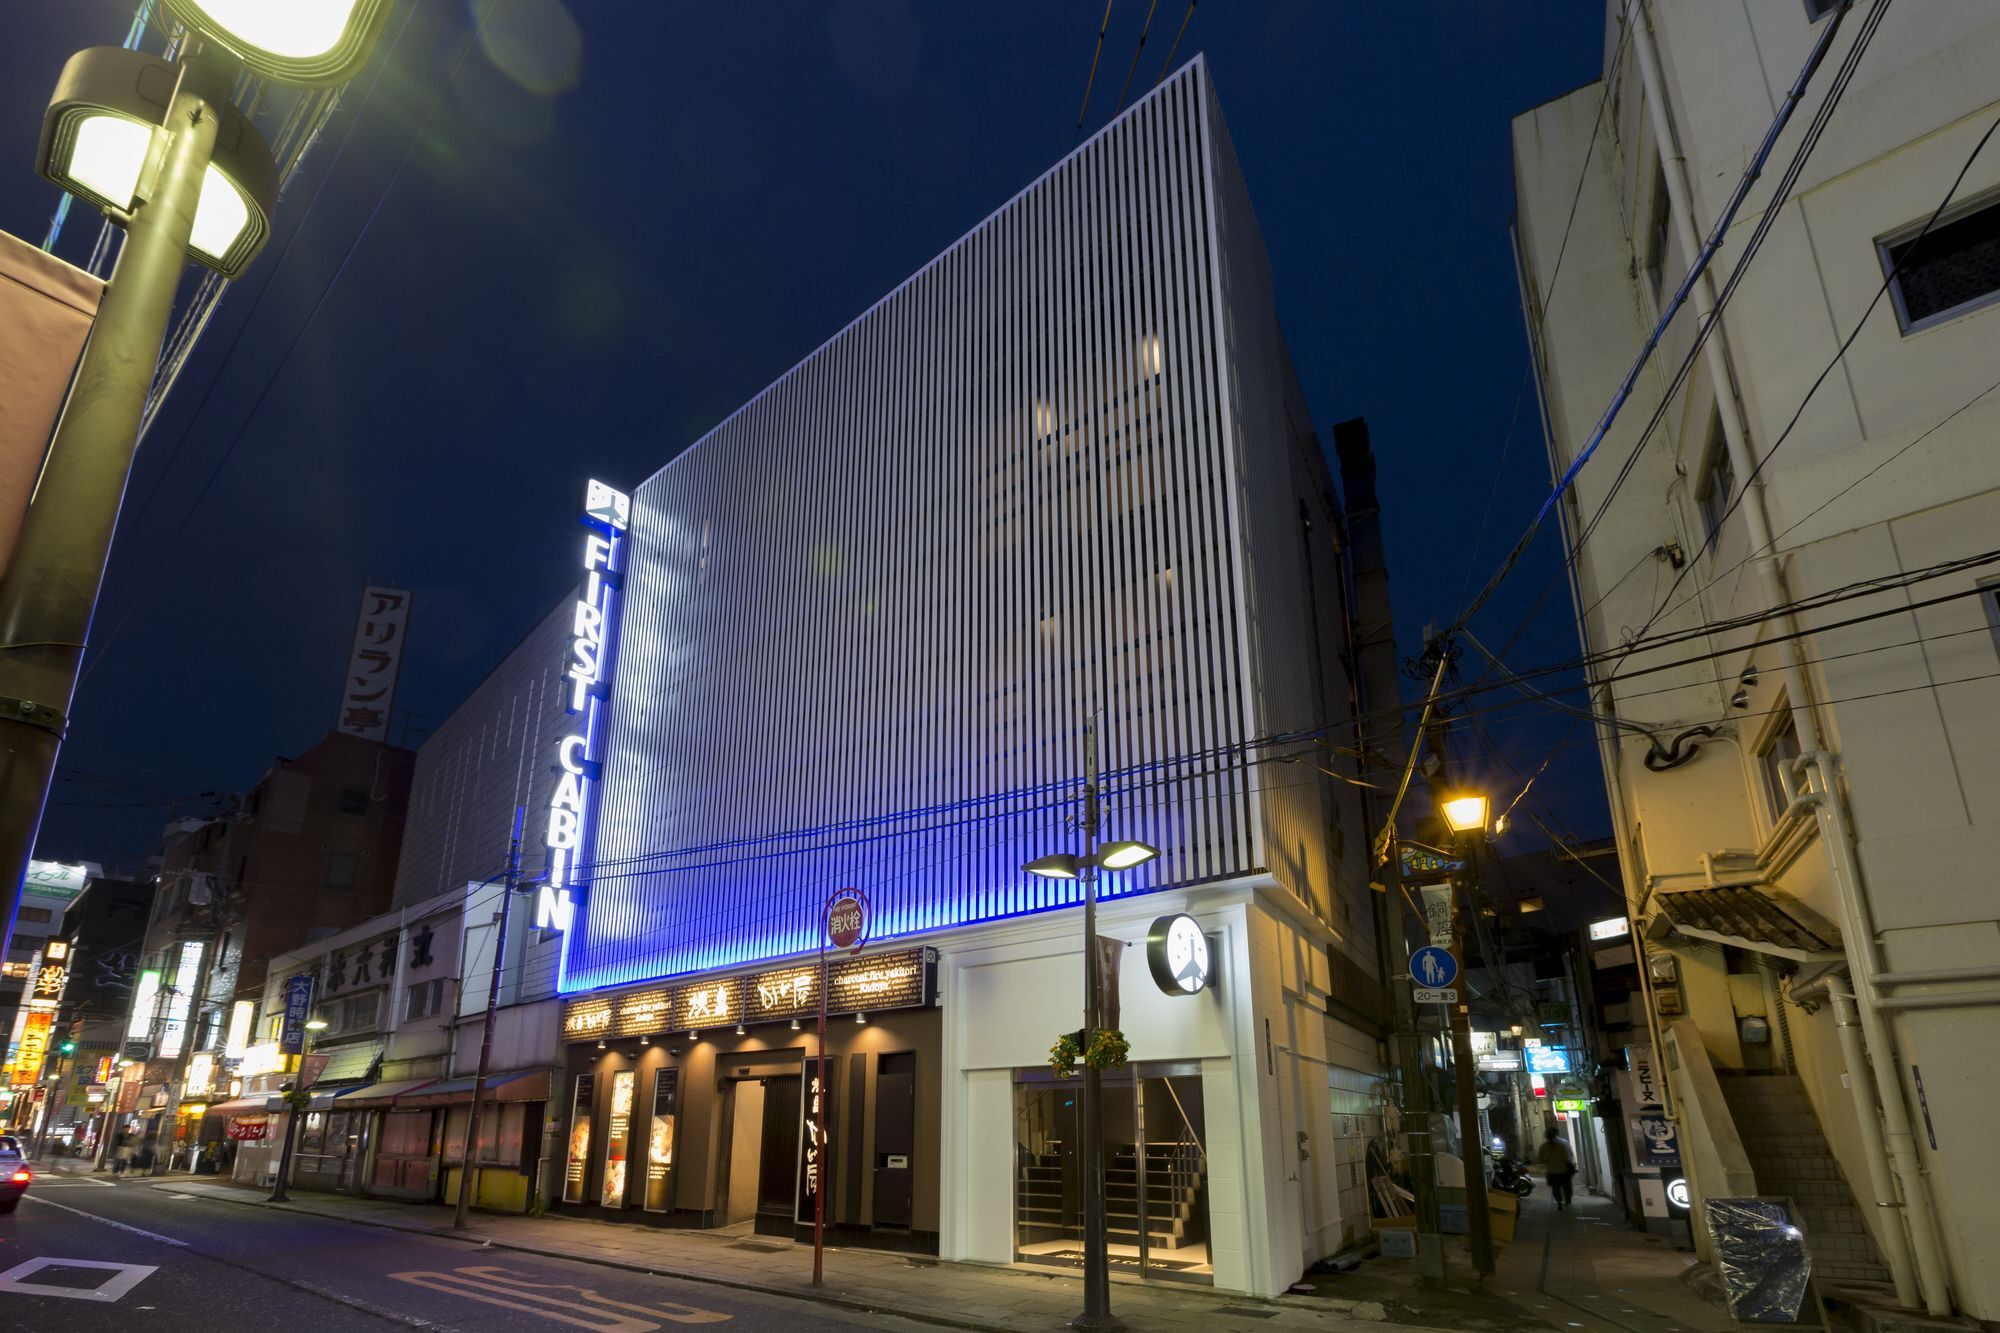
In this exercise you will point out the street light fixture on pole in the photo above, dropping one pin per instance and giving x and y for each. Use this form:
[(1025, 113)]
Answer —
[(1465, 814), (157, 146), (1067, 865), (297, 1099), (470, 1166)]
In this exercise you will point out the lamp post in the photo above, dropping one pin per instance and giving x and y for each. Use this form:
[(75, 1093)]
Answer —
[(470, 1165), (1066, 865), (1465, 814), (159, 148), (297, 1099)]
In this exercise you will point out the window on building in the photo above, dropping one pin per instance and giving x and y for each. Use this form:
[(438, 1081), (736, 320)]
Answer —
[(355, 1013), (1657, 231), (1952, 269), (425, 999), (1819, 9), (1718, 481), (1779, 749), (340, 869), (353, 801), (34, 914)]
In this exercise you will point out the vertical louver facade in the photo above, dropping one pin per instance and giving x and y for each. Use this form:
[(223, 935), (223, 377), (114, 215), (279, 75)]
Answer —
[(866, 616)]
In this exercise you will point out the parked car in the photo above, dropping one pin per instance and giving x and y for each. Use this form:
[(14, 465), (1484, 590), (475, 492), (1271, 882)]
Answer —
[(14, 1174)]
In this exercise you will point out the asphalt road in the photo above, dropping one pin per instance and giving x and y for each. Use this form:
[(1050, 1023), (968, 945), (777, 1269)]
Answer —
[(87, 1254)]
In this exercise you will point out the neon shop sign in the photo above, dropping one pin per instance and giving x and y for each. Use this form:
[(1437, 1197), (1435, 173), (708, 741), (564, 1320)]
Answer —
[(607, 513)]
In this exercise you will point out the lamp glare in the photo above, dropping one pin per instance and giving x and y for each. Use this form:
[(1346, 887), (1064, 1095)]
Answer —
[(107, 156), (1062, 865), (219, 218), (1465, 814), (288, 29), (1125, 855)]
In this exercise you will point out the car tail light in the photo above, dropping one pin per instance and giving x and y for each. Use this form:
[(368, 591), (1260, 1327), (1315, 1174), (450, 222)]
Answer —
[(22, 1176)]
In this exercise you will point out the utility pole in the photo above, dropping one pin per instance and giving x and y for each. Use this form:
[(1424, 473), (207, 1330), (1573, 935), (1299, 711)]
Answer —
[(470, 1168), (1478, 1222), (1416, 1091), (1096, 1261)]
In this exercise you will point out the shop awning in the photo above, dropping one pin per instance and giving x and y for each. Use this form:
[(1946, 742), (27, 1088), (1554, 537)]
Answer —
[(349, 1064), (1761, 919), (518, 1085), (376, 1095), (257, 1105)]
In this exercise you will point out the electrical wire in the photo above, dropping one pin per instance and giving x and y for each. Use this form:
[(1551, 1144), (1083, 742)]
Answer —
[(1096, 53), (1724, 220), (1168, 63), (1137, 51)]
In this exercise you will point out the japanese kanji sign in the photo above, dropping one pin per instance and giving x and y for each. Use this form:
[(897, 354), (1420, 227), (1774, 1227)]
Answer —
[(370, 688)]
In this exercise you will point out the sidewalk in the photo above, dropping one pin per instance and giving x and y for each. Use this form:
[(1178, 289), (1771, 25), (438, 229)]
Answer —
[(954, 1295), (1581, 1269)]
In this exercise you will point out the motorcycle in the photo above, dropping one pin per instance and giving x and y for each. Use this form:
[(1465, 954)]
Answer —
[(1509, 1174)]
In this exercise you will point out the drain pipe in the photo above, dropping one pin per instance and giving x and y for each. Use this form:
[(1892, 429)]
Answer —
[(1856, 920)]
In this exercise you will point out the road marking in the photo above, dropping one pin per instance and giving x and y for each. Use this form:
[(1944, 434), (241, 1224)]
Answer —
[(497, 1286), (74, 1182), (126, 1277), (95, 1217)]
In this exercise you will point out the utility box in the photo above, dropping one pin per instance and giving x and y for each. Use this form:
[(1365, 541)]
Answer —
[(1398, 1241)]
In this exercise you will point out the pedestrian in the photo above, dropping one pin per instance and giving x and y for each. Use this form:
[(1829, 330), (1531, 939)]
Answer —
[(121, 1154), (1558, 1167)]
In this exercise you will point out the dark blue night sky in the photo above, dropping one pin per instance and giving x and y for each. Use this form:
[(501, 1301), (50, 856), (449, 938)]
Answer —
[(623, 219)]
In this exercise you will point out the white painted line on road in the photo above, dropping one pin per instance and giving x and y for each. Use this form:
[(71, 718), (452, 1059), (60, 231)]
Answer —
[(75, 1182), (126, 1277), (122, 1226)]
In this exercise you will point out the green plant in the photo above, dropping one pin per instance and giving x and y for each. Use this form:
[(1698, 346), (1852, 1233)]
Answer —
[(299, 1099), (1064, 1055), (537, 1205), (1108, 1049)]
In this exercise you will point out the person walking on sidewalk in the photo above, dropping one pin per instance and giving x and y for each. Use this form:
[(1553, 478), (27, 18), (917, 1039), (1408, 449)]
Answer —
[(1558, 1166)]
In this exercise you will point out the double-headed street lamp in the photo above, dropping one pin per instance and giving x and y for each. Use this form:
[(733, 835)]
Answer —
[(1068, 865), (158, 147)]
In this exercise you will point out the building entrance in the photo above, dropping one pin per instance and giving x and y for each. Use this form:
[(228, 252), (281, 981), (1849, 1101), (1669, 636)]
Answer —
[(761, 1168), (1155, 1171)]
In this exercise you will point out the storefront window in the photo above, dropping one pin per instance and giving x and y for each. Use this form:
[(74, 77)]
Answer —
[(1155, 1172), (660, 1141), (618, 1137), (579, 1139)]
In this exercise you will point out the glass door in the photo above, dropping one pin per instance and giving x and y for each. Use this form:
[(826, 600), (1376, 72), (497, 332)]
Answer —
[(1155, 1172)]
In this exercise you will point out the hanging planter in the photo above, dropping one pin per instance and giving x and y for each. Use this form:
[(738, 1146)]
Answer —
[(1108, 1049)]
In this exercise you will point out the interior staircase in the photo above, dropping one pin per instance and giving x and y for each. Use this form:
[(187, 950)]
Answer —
[(1047, 1207), (1790, 1157)]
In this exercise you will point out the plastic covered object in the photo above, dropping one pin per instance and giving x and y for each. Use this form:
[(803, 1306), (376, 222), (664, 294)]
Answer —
[(1761, 1258)]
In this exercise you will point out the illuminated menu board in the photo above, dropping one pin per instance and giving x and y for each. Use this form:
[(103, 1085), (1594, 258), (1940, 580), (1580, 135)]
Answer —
[(900, 979), (618, 1137), (660, 1141), (579, 1139)]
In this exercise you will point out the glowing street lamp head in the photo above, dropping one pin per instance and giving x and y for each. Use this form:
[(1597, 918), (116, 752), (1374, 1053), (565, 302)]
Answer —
[(315, 1025), (1125, 855), (1465, 813), (312, 43), (1062, 865), (100, 130)]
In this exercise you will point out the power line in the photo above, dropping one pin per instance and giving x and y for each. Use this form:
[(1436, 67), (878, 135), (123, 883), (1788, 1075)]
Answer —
[(1095, 54), (1701, 261), (1131, 69), (1168, 63), (1839, 355)]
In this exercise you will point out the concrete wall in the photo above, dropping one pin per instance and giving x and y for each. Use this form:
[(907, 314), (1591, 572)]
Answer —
[(1889, 468)]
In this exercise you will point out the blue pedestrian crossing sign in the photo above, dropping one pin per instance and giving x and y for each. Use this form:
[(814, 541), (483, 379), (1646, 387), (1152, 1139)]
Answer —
[(1433, 967)]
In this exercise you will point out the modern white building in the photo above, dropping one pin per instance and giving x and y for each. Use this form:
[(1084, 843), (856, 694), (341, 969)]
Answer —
[(1796, 559), (850, 640)]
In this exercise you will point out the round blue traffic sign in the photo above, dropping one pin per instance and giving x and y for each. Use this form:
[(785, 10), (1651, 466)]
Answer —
[(1433, 966)]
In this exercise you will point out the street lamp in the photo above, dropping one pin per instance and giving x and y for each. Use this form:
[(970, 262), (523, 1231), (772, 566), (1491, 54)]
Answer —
[(1068, 865), (99, 136), (297, 1100), (311, 43), (157, 145), (1465, 812)]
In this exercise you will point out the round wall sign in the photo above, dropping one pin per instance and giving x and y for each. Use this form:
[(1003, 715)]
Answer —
[(846, 922), (1177, 953)]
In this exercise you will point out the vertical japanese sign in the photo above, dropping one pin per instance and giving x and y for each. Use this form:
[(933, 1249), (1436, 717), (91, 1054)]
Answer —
[(812, 1156), (579, 1138), (370, 688), (660, 1141), (298, 1007), (34, 1048), (607, 514), (618, 1137)]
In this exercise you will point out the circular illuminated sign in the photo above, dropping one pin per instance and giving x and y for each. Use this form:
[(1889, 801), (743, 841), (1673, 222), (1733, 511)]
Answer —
[(846, 921), (1177, 953), (1677, 1193)]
